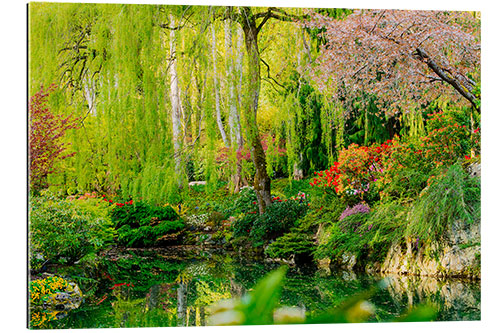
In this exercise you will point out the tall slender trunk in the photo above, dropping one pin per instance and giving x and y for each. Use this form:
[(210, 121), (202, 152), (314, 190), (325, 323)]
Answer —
[(232, 73), (89, 92), (216, 90), (262, 182), (175, 101)]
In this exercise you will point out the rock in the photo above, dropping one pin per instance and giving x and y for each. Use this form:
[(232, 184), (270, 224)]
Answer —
[(349, 276), (475, 169), (69, 299), (456, 255), (348, 260), (324, 265)]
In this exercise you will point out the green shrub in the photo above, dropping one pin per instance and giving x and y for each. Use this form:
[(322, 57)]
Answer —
[(244, 202), (344, 237), (368, 236), (242, 226), (141, 224), (295, 243), (147, 235), (140, 214), (454, 196), (406, 183), (278, 219), (68, 229)]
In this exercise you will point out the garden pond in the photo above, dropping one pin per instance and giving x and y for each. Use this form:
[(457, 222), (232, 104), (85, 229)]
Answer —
[(160, 287)]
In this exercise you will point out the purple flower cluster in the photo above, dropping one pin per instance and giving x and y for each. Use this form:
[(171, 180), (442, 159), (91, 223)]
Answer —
[(356, 209)]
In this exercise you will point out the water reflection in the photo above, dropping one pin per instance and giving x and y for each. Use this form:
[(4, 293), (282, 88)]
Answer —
[(182, 294), (457, 299)]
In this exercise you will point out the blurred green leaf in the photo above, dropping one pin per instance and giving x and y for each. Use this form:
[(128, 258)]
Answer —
[(264, 299), (353, 310), (423, 312)]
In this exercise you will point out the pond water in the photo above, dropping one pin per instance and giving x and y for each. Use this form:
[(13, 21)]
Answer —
[(157, 288)]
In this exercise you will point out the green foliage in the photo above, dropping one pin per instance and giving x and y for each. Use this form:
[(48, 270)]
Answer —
[(295, 243), (243, 226), (244, 202), (290, 187), (264, 299), (141, 224), (345, 237), (68, 229), (147, 235), (260, 307), (454, 196), (141, 213), (406, 183), (278, 219), (448, 138), (368, 236)]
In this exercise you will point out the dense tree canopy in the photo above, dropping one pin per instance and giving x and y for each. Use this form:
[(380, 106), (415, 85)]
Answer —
[(405, 58), (241, 95)]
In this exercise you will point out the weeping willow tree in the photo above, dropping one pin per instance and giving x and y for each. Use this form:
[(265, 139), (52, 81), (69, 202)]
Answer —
[(110, 53), (164, 91), (141, 79)]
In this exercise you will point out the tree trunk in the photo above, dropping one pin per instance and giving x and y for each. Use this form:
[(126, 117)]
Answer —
[(461, 84), (176, 102), (216, 90), (262, 182), (234, 117), (89, 92)]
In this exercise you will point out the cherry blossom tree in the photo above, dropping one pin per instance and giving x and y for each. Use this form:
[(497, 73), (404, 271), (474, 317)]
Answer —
[(406, 58)]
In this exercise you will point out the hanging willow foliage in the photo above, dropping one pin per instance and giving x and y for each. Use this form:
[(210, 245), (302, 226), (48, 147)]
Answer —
[(113, 65)]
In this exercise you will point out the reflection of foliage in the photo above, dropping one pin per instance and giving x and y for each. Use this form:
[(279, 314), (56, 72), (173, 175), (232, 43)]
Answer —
[(260, 307), (209, 292), (155, 293), (144, 273)]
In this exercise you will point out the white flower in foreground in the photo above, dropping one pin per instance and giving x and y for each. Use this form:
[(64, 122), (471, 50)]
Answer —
[(222, 305), (289, 315), (360, 312), (229, 317)]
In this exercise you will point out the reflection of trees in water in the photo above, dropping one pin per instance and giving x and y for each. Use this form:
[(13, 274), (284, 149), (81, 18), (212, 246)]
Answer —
[(456, 299), (200, 285), (184, 301), (182, 291)]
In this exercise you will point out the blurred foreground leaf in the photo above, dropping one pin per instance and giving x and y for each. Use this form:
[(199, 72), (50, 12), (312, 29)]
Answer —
[(423, 312)]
